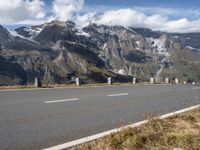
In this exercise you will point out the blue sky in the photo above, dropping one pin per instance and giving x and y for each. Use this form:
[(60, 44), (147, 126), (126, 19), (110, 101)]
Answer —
[(162, 15), (152, 3)]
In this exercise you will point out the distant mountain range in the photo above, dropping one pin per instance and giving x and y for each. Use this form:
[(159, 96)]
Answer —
[(57, 52)]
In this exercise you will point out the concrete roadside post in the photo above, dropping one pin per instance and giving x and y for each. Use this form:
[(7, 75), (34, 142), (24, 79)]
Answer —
[(193, 83), (78, 82), (167, 80), (185, 82), (152, 80), (36, 84), (176, 81), (134, 80), (109, 81)]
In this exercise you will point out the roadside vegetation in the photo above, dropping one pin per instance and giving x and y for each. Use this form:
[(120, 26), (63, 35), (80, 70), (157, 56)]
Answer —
[(180, 132), (70, 85)]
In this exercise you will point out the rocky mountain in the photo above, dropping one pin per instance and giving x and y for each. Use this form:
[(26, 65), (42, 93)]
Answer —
[(57, 52)]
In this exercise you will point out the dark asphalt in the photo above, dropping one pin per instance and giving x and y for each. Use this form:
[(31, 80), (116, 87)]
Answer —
[(26, 122)]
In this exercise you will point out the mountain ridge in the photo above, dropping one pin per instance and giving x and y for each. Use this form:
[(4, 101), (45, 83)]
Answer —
[(57, 52)]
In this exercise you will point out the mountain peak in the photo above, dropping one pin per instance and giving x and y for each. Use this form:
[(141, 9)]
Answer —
[(1, 27), (56, 22), (70, 23)]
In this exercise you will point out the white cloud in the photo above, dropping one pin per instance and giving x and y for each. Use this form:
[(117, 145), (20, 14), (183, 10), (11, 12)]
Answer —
[(66, 9), (134, 18), (182, 25), (171, 12), (83, 20), (162, 19), (14, 11), (125, 17)]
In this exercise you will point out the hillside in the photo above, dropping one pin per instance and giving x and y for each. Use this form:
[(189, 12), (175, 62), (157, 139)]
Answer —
[(57, 52)]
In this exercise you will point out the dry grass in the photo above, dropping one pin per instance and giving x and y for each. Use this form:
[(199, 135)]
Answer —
[(181, 131), (16, 87), (69, 85)]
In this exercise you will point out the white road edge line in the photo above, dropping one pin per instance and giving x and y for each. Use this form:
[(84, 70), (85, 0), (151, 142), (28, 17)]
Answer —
[(59, 101), (196, 88), (114, 95), (100, 135)]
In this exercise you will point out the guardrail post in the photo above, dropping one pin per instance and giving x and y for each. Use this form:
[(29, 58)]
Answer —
[(176, 81), (78, 82), (152, 80), (167, 80), (109, 80), (134, 80)]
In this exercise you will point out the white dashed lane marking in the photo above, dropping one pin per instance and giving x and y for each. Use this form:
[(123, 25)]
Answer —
[(114, 95), (59, 101)]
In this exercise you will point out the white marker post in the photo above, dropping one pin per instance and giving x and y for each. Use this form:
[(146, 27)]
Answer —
[(185, 82), (36, 84), (109, 81), (167, 80), (152, 80), (134, 80), (176, 81), (78, 82)]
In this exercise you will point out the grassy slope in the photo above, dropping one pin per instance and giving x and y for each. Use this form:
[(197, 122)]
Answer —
[(181, 131)]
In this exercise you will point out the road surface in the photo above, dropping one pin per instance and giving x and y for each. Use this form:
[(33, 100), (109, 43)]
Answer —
[(37, 119)]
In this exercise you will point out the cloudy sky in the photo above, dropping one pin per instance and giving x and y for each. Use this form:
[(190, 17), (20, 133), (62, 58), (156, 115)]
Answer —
[(163, 15)]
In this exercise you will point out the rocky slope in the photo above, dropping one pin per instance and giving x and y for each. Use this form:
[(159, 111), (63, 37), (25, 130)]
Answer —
[(57, 52)]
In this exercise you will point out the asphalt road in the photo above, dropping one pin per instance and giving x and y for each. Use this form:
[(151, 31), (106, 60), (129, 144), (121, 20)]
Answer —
[(37, 119)]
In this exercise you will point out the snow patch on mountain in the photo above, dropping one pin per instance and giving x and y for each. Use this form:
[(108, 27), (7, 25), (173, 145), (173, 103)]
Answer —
[(122, 72), (138, 47), (130, 29), (82, 33), (105, 45), (15, 34), (176, 37), (158, 45), (190, 47), (33, 32)]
